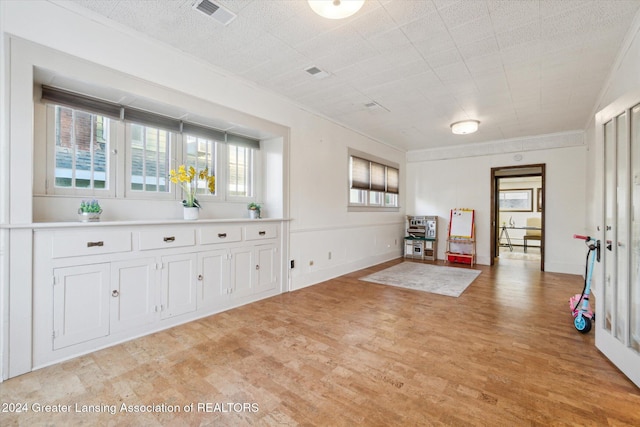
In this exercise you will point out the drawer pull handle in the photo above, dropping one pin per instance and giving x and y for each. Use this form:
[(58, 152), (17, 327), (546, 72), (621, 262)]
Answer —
[(222, 235), (170, 239), (115, 293), (92, 244), (262, 233)]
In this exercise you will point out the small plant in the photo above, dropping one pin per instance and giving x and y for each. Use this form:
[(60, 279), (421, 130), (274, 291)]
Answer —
[(90, 206), (253, 206)]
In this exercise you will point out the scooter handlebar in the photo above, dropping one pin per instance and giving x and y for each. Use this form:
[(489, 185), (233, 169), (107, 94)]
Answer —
[(581, 237)]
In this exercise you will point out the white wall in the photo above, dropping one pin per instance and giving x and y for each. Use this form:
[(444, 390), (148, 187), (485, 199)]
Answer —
[(437, 186)]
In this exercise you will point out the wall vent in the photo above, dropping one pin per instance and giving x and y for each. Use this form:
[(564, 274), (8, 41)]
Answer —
[(316, 72), (374, 106), (219, 13)]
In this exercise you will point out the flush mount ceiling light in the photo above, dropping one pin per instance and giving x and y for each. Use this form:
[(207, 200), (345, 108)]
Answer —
[(335, 9), (464, 127)]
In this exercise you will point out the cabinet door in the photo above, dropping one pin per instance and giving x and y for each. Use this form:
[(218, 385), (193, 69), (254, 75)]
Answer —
[(80, 304), (178, 284), (242, 272), (133, 293), (213, 278), (266, 267)]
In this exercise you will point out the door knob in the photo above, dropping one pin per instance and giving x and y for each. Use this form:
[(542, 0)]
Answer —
[(115, 293)]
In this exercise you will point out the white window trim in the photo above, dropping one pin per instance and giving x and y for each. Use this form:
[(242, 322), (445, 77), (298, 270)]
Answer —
[(172, 194), (50, 188), (219, 168)]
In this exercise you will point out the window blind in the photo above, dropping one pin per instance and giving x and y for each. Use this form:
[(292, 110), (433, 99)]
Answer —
[(393, 178), (377, 177), (359, 173), (94, 105)]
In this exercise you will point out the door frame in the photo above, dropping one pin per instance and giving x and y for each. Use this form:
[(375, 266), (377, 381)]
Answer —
[(525, 172)]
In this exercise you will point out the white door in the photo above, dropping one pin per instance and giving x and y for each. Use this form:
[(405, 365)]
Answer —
[(133, 293), (617, 325), (243, 269), (213, 278), (80, 304), (266, 268), (178, 284)]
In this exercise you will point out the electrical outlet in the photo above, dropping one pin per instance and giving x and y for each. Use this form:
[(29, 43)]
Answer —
[(293, 264)]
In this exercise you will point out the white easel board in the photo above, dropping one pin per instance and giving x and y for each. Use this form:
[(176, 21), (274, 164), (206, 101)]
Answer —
[(461, 223)]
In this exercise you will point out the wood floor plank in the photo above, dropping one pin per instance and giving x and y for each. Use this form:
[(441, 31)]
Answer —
[(348, 352)]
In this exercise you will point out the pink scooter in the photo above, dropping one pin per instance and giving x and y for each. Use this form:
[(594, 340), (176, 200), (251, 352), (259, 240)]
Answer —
[(583, 315)]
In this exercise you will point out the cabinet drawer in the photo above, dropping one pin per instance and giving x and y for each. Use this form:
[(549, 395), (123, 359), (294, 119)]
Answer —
[(78, 243), (211, 235), (259, 232), (169, 238)]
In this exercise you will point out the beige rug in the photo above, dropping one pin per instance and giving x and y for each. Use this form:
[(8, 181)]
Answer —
[(449, 281)]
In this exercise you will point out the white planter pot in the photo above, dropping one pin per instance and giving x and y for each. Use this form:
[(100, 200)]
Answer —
[(254, 213), (89, 216), (191, 213)]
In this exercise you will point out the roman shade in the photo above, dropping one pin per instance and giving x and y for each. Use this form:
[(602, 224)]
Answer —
[(83, 102)]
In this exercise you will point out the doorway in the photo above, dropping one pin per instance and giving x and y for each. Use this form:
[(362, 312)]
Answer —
[(517, 209)]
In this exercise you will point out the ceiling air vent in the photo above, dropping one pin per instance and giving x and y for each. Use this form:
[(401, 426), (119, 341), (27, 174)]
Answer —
[(316, 72), (215, 11)]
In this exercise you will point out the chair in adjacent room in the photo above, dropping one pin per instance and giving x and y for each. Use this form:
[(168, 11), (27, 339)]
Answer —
[(533, 234)]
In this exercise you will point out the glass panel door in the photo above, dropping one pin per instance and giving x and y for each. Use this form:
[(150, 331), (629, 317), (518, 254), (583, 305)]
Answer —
[(610, 263), (617, 293), (634, 291)]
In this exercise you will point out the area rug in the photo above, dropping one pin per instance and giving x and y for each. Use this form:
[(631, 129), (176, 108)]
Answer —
[(449, 281)]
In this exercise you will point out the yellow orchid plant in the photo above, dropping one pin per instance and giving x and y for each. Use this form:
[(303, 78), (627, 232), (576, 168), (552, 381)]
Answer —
[(188, 179)]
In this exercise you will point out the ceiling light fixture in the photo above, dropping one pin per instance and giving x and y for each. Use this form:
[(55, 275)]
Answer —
[(335, 9), (464, 127)]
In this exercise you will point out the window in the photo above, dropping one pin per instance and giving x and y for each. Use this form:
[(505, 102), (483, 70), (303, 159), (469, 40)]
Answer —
[(150, 154), (82, 143), (372, 183), (96, 147), (240, 162), (201, 154)]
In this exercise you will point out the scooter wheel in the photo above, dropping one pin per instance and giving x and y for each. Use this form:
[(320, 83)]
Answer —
[(582, 324)]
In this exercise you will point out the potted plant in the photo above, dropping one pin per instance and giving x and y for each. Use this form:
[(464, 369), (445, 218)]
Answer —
[(254, 210), (189, 179), (89, 211)]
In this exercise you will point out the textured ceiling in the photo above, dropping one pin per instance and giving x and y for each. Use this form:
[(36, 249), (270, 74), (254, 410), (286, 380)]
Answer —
[(521, 67)]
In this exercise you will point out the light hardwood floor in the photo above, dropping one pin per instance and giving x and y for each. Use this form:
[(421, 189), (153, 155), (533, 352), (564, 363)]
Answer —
[(347, 352)]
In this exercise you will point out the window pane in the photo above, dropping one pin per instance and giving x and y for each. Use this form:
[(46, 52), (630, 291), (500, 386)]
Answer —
[(201, 154), (391, 200), (357, 197), (375, 198), (81, 141), (240, 171), (150, 148)]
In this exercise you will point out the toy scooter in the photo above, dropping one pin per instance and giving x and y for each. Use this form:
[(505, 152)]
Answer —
[(583, 315)]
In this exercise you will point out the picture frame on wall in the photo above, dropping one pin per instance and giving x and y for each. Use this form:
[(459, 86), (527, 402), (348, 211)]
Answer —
[(516, 200)]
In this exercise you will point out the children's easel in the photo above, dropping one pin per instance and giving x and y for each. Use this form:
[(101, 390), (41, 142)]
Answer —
[(461, 242)]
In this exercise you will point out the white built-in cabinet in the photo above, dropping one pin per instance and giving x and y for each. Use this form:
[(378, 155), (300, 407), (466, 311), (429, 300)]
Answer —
[(97, 286)]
